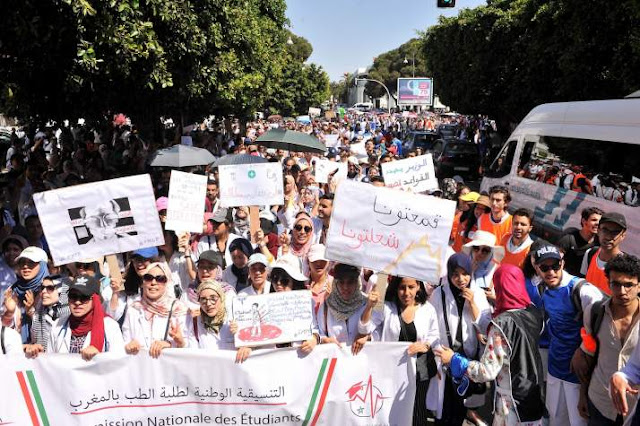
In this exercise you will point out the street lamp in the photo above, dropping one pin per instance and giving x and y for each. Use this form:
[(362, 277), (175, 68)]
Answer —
[(413, 62), (382, 84)]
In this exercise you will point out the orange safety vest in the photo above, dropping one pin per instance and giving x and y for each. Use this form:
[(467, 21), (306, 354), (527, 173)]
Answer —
[(596, 275), (510, 258), (498, 229), (456, 225), (459, 239)]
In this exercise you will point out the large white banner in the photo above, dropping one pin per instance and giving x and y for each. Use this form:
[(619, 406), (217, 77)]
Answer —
[(96, 219), (415, 174), (187, 192), (190, 386), (286, 316), (391, 231), (251, 185), (324, 168)]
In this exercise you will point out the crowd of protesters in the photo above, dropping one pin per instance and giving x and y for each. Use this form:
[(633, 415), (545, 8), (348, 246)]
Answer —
[(542, 327)]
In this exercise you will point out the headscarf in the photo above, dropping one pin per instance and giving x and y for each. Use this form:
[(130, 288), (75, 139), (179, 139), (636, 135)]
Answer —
[(161, 306), (92, 321), (21, 286), (511, 292), (343, 309), (302, 250), (483, 268), (242, 274), (213, 323), (458, 260)]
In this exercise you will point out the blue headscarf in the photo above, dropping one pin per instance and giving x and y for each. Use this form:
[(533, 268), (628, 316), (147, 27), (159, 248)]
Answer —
[(20, 287), (458, 260)]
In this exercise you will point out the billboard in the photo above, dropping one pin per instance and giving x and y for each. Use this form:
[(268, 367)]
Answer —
[(415, 91)]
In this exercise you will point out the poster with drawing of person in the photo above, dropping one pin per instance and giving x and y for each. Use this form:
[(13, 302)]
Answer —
[(100, 218)]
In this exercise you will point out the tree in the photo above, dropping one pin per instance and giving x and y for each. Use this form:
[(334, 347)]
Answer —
[(80, 58), (390, 66), (506, 57)]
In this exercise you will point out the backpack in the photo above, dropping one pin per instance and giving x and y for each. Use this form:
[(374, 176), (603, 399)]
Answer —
[(575, 296), (597, 315)]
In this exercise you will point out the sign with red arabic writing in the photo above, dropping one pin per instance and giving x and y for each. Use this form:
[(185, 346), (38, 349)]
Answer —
[(391, 231)]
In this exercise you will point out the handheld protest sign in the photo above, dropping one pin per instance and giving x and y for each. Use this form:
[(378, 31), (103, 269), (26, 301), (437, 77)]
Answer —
[(395, 232), (415, 174), (100, 218), (273, 318), (187, 193), (251, 184)]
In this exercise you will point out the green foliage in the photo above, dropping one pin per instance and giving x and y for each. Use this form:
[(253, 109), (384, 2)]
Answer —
[(87, 58), (510, 55), (390, 66)]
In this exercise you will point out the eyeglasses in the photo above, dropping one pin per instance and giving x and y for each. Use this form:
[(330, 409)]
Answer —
[(281, 281), (204, 300), (77, 297), (485, 250), (626, 285), (546, 268), (300, 228), (160, 279), (81, 265), (49, 288)]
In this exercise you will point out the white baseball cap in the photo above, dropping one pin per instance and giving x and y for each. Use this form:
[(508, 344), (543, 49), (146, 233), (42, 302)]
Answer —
[(317, 252), (35, 254)]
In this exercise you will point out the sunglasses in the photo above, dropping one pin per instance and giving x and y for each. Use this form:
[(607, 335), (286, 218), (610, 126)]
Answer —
[(300, 228), (26, 262), (160, 279), (80, 265), (282, 281), (546, 268), (49, 288), (77, 297), (485, 250)]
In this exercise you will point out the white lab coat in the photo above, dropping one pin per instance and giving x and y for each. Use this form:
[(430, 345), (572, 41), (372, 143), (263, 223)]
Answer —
[(60, 337), (208, 339), (469, 329), (12, 342), (347, 331), (137, 327)]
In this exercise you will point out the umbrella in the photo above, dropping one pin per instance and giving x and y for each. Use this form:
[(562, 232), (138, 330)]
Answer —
[(181, 156), (291, 140), (236, 159)]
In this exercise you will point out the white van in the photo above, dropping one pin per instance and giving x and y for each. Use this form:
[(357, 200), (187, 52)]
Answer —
[(566, 156)]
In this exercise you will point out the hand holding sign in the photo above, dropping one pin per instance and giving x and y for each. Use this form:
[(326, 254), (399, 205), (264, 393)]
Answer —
[(373, 297)]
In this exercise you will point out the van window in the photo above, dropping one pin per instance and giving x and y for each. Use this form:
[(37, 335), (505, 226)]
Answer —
[(600, 168), (501, 166)]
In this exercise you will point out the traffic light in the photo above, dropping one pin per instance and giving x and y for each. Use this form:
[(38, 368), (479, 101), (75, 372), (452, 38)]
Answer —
[(446, 3)]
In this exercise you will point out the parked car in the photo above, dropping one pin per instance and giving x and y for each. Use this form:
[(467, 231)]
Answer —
[(446, 131), (419, 139), (456, 157)]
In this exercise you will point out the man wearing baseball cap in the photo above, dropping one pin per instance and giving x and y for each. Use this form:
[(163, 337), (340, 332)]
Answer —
[(611, 232), (560, 293)]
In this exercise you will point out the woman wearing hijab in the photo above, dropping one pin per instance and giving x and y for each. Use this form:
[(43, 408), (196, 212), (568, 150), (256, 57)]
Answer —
[(339, 315), (12, 246), (87, 330), (19, 300), (157, 321), (511, 357), (210, 329), (485, 259), (237, 274), (51, 305), (301, 238), (463, 315), (408, 317)]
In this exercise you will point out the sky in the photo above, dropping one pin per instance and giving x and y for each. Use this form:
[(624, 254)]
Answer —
[(348, 34)]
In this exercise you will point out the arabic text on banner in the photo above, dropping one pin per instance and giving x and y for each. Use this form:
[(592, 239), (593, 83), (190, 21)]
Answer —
[(187, 192), (189, 386), (251, 185), (273, 318), (416, 174), (324, 168), (96, 219), (395, 232)]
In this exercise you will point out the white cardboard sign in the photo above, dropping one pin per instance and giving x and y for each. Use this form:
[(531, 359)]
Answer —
[(324, 168), (416, 174), (185, 212), (394, 232), (101, 218), (251, 185)]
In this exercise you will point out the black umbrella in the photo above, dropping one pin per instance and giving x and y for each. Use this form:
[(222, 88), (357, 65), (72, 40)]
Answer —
[(291, 140), (236, 159)]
